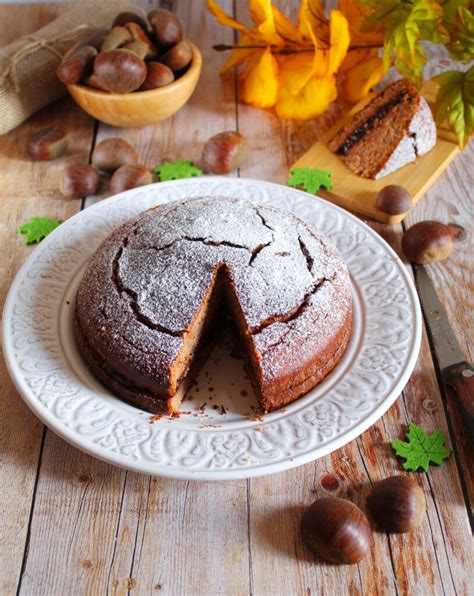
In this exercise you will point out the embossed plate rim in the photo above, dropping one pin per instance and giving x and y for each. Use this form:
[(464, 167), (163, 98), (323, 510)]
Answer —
[(180, 471)]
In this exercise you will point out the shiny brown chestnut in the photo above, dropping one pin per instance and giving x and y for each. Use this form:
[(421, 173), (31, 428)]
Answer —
[(129, 17), (130, 176), (430, 241), (75, 65), (117, 37), (138, 34), (166, 27), (393, 200), (336, 530), (397, 504), (138, 48), (158, 75), (47, 143), (78, 180), (179, 56), (111, 154), (224, 152), (119, 71)]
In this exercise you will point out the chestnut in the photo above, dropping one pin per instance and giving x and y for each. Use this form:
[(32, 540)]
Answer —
[(75, 65), (138, 34), (393, 200), (397, 504), (429, 241), (224, 152), (179, 56), (336, 530), (129, 17), (166, 26), (78, 180), (158, 75), (111, 154), (130, 176), (91, 81), (117, 37), (138, 48), (47, 143), (119, 71)]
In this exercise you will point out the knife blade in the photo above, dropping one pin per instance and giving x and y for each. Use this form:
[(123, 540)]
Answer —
[(456, 373)]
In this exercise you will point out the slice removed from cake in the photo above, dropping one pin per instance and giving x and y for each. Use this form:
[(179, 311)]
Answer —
[(394, 129)]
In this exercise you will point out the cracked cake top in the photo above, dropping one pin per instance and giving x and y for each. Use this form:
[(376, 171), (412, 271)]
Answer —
[(145, 283)]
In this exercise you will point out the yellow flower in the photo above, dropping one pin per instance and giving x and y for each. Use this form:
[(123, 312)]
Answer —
[(293, 67)]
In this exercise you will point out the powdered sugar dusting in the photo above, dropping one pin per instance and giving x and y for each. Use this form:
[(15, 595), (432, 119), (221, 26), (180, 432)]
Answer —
[(148, 279)]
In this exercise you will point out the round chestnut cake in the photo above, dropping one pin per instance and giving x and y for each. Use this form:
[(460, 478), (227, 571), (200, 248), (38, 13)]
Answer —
[(158, 286)]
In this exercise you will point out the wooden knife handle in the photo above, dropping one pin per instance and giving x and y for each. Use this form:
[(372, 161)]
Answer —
[(460, 379)]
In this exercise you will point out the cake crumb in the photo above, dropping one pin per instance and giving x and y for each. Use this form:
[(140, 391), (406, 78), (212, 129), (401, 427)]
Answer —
[(155, 418)]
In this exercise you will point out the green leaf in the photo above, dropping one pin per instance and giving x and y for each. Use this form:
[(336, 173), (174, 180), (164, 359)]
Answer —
[(461, 42), (455, 102), (421, 448), (310, 179), (405, 23), (175, 170), (37, 228)]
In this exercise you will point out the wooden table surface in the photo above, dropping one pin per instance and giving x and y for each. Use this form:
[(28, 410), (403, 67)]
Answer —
[(70, 524)]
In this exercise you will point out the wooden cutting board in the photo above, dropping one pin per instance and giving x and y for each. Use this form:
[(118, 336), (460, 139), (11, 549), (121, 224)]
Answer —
[(358, 194)]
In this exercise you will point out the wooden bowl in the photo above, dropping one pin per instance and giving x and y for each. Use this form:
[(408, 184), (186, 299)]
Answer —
[(141, 107)]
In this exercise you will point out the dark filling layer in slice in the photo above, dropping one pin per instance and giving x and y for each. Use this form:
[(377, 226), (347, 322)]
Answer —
[(364, 128)]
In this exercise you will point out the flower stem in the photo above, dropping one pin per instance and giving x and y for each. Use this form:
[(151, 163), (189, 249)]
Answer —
[(284, 51)]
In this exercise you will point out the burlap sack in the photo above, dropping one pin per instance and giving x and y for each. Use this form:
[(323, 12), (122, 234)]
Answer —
[(27, 67)]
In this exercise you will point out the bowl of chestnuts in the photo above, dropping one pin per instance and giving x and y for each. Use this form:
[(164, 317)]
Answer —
[(139, 72)]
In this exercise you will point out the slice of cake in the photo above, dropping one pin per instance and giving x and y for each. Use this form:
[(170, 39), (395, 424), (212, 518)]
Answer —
[(392, 130)]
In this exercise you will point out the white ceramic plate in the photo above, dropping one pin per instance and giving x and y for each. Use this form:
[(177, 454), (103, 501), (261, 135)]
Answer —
[(205, 443)]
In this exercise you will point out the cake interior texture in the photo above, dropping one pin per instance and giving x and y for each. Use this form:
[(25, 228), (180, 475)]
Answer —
[(392, 130), (155, 292)]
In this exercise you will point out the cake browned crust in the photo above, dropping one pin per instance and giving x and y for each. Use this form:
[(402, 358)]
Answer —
[(153, 289)]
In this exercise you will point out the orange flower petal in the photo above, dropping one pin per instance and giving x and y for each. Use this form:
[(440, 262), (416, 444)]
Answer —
[(301, 95), (224, 19), (356, 14), (360, 79), (339, 40), (259, 80), (262, 15), (311, 17), (285, 28), (238, 56)]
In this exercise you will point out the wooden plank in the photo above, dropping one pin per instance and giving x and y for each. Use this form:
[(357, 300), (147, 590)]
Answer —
[(279, 560), (450, 200), (158, 534), (26, 189), (422, 562), (359, 194)]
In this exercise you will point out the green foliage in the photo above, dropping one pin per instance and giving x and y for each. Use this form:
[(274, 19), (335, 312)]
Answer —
[(461, 38), (310, 179), (421, 448), (37, 228), (455, 102), (178, 169), (451, 22), (405, 23)]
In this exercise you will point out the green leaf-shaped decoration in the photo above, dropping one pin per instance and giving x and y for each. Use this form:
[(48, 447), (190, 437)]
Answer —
[(421, 448), (175, 170), (310, 179), (37, 228)]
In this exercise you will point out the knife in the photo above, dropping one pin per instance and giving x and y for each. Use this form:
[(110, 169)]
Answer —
[(456, 374)]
